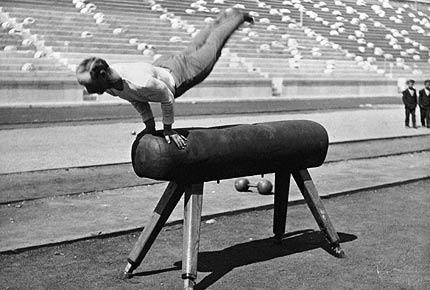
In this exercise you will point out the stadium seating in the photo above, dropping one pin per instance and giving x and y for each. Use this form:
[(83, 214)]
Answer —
[(19, 59), (76, 35), (363, 32), (264, 46), (354, 40)]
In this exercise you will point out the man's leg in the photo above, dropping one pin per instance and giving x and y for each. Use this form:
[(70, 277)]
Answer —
[(167, 61), (200, 38), (201, 62), (428, 117), (414, 119), (423, 116), (211, 50), (407, 117)]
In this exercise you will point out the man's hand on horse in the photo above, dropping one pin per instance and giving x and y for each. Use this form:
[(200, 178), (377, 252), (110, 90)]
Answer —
[(171, 135), (149, 128), (144, 132)]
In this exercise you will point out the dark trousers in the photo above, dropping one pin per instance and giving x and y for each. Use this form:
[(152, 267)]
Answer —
[(410, 112), (195, 63), (423, 115)]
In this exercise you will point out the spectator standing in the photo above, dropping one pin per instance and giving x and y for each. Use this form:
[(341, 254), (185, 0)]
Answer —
[(424, 103), (410, 101)]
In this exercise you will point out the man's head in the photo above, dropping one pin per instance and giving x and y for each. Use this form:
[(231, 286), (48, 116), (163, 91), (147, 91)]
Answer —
[(410, 84), (427, 84), (95, 75)]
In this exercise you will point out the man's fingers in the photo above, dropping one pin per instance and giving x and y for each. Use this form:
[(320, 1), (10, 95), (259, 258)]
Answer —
[(183, 138), (184, 141), (178, 143), (179, 140)]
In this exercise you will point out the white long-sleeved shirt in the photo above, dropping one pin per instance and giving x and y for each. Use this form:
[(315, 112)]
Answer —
[(145, 83)]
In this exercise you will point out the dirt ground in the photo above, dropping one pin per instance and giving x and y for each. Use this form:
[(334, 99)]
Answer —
[(385, 234)]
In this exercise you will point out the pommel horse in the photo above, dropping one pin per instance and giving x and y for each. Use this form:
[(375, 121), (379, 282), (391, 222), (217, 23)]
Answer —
[(284, 148)]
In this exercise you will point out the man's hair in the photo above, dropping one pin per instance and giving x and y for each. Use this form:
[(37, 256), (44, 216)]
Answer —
[(93, 65), (426, 82)]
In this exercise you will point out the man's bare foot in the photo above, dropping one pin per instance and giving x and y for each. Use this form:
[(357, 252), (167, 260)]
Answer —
[(248, 18)]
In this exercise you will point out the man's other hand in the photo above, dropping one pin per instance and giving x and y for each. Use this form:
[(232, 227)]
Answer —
[(171, 135), (144, 132)]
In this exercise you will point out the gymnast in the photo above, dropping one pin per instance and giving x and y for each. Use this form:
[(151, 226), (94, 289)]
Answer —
[(167, 78)]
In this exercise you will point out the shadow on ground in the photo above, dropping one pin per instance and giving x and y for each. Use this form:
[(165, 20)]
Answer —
[(219, 263)]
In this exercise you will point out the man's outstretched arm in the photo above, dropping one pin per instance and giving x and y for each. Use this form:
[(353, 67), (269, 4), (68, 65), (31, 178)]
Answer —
[(157, 91), (145, 111)]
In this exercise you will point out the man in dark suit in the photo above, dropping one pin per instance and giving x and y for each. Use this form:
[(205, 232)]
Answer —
[(424, 103), (410, 101)]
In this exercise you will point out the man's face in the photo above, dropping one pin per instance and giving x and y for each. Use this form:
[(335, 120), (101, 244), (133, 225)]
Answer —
[(410, 85), (93, 86), (96, 86), (427, 85)]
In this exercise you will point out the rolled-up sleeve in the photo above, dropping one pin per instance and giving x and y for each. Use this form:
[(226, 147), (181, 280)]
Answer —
[(144, 110), (157, 91), (167, 109)]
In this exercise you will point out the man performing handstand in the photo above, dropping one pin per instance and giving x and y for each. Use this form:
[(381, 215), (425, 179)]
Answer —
[(167, 78)]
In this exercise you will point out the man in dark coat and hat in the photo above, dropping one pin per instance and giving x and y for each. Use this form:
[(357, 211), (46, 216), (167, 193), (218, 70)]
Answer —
[(410, 101), (424, 103)]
